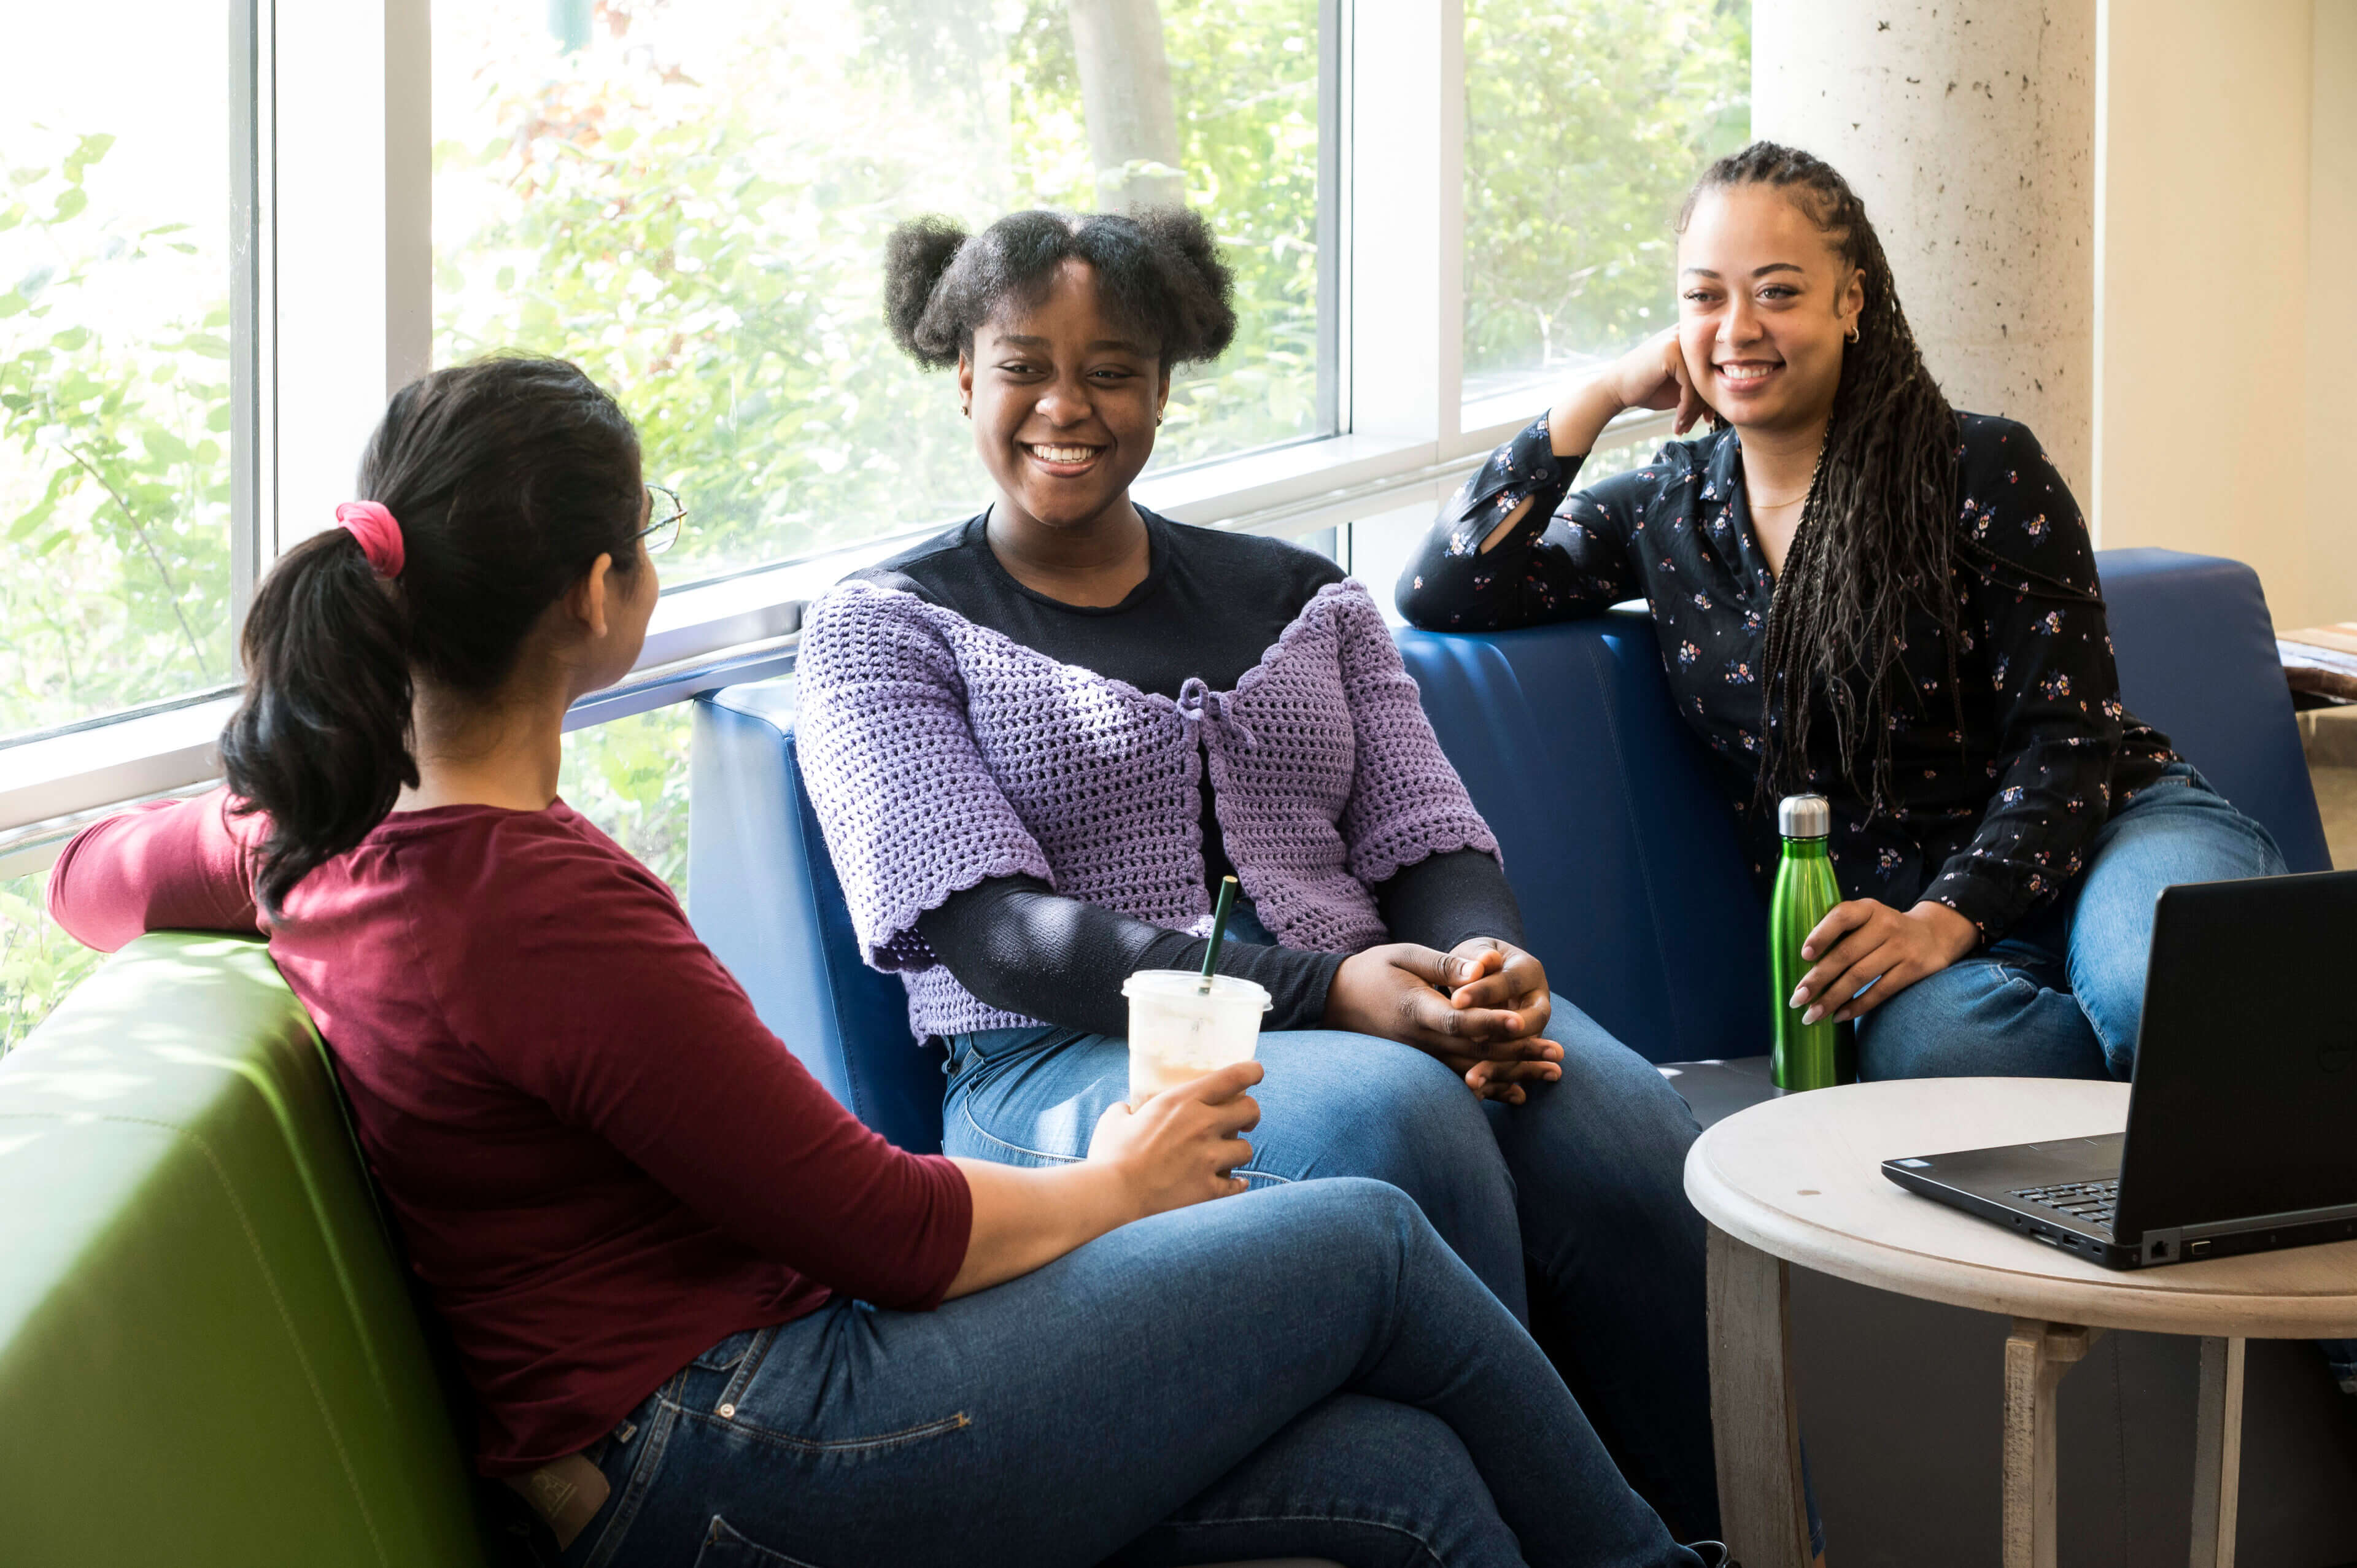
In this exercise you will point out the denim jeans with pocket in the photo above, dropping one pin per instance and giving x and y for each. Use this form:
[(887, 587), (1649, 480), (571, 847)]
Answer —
[(1303, 1370), (1571, 1207)]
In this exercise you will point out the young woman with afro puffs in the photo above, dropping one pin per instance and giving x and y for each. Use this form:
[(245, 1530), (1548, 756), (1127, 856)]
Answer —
[(1037, 743)]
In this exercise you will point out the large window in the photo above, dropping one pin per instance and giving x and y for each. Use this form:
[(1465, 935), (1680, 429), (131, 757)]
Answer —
[(114, 377), (229, 228), (692, 200), (1586, 120)]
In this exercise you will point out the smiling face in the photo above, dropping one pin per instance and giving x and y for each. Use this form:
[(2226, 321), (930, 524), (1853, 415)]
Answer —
[(1064, 402), (1764, 305)]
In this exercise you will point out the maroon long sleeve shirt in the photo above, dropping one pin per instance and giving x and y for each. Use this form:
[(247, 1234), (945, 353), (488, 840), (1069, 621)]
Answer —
[(599, 1159)]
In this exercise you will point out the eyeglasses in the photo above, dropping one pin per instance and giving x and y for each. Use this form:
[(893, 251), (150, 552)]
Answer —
[(663, 506)]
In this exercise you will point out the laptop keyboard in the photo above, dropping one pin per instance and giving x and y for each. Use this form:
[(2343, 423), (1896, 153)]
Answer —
[(2089, 1202)]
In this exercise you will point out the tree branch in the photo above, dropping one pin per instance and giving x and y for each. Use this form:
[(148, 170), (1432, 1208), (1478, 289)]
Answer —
[(171, 589)]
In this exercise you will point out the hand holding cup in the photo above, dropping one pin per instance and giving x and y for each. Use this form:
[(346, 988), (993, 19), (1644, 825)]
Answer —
[(1179, 1147)]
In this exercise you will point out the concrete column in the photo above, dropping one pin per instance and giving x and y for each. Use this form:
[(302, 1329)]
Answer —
[(1968, 127)]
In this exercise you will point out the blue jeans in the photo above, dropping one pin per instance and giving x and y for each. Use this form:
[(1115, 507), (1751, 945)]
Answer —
[(1580, 1192), (2062, 996), (1307, 1369)]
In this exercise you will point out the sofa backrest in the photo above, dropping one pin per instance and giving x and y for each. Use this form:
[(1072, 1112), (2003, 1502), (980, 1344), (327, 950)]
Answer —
[(1617, 837), (1615, 830), (208, 1354), (763, 894), (2198, 660)]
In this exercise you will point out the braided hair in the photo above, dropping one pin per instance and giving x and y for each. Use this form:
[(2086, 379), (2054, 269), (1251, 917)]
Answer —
[(1876, 535)]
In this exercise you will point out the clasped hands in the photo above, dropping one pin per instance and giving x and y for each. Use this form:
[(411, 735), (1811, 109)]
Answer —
[(1480, 1007)]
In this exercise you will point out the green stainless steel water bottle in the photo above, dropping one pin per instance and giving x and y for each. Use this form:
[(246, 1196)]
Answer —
[(1807, 1056)]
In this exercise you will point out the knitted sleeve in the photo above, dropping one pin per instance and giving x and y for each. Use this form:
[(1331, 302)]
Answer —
[(910, 814), (1407, 802)]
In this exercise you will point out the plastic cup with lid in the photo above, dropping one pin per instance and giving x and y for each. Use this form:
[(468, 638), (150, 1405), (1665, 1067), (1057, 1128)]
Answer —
[(1180, 1027)]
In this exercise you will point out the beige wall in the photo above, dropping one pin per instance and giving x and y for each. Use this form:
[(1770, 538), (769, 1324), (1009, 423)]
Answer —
[(2331, 430), (2205, 402)]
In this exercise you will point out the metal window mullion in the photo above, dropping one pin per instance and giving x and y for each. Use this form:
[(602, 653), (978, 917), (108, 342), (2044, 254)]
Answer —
[(1333, 225), (1449, 218), (252, 304), (408, 191)]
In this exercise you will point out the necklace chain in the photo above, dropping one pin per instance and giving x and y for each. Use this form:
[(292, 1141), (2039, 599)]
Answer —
[(1757, 503)]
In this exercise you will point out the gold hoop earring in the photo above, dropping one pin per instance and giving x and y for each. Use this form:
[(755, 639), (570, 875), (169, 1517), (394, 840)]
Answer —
[(966, 409), (1157, 419)]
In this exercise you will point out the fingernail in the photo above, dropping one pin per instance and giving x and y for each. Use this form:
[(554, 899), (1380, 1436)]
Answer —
[(1808, 951), (1799, 995), (1811, 1016)]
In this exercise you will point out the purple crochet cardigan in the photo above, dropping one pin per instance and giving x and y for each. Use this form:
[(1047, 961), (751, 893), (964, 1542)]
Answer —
[(939, 754)]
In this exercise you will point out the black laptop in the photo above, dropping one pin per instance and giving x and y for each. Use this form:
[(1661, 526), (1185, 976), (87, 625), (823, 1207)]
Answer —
[(2242, 1132)]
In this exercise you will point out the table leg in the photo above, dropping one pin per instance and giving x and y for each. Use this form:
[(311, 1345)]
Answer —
[(2218, 1453), (2036, 1357), (1753, 1416)]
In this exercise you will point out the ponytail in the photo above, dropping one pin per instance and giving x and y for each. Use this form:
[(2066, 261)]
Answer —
[(497, 486), (321, 742)]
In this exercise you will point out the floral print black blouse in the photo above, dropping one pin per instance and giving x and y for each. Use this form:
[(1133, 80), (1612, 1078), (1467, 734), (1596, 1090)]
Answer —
[(1992, 818)]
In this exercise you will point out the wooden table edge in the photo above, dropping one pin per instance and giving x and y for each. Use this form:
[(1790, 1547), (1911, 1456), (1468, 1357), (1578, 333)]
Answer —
[(1928, 1276)]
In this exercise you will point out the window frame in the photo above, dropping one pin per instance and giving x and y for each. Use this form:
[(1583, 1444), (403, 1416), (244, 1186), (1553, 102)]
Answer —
[(333, 116)]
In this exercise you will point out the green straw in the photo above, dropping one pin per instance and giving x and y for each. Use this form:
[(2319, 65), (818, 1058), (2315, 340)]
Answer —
[(1219, 933)]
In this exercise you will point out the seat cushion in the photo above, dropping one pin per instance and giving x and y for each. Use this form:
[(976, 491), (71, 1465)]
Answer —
[(207, 1353)]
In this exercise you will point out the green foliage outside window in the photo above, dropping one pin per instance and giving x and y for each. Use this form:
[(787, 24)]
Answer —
[(38, 962), (712, 250), (629, 777), (114, 466), (1586, 120), (709, 250)]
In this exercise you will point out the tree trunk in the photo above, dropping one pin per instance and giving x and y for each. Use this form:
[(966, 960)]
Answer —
[(1126, 94)]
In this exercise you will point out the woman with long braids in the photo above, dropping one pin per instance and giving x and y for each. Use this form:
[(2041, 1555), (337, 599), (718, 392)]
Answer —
[(706, 1315), (1862, 593)]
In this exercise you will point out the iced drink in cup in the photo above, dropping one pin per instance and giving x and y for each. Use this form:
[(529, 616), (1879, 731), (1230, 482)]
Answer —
[(1179, 1029)]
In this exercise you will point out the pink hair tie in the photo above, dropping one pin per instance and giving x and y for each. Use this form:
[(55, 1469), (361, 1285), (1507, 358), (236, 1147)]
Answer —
[(380, 536)]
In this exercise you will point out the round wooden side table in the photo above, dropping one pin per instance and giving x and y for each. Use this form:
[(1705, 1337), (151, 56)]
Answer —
[(1798, 1180)]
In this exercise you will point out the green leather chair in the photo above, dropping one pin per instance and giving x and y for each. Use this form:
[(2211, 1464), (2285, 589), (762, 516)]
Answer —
[(208, 1351)]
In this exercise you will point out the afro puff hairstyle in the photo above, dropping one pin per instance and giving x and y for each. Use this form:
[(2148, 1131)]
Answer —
[(1158, 273)]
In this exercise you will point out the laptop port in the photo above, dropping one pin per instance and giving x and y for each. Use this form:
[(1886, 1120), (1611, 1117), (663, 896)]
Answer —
[(2197, 1249), (2161, 1249)]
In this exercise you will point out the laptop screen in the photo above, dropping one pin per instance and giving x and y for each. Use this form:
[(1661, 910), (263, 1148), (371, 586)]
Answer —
[(2245, 1099)]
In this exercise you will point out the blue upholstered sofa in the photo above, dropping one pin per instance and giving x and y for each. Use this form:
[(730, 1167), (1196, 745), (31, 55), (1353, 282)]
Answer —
[(1624, 856), (1618, 843)]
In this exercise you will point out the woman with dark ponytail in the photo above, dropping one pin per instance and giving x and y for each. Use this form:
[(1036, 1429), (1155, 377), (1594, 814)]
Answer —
[(1864, 593), (704, 1313)]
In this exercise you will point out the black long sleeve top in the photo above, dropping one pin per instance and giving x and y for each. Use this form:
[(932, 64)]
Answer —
[(1211, 606), (1992, 818)]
